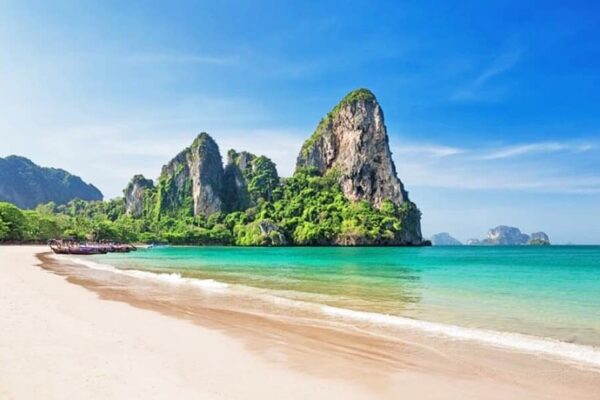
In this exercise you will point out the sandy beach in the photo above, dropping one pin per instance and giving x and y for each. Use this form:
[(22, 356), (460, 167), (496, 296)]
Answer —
[(64, 336)]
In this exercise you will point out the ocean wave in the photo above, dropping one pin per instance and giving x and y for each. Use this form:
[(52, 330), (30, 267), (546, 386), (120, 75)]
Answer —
[(569, 352), (575, 353), (171, 278)]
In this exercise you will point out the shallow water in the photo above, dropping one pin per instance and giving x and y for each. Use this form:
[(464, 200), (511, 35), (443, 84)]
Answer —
[(550, 293)]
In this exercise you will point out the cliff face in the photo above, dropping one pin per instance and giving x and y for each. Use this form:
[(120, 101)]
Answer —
[(345, 190), (26, 184), (352, 141), (236, 185), (247, 179), (135, 193), (191, 183)]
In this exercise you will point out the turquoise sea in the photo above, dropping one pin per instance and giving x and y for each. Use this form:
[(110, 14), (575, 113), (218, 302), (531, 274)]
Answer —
[(536, 298)]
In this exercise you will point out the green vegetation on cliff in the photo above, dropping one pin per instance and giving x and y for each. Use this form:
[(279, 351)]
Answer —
[(305, 209), (248, 180), (198, 201), (352, 97)]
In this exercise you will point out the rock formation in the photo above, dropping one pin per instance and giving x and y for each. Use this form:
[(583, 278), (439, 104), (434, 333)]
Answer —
[(191, 183), (506, 235), (345, 191), (444, 239), (247, 179), (539, 239), (27, 185), (134, 195), (352, 142), (510, 236), (272, 233)]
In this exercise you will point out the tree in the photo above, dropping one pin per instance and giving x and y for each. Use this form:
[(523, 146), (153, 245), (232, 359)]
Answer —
[(14, 222), (3, 229)]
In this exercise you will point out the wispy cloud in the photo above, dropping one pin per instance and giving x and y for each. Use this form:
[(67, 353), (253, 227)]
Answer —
[(428, 149), (180, 58), (535, 148), (475, 88), (524, 167)]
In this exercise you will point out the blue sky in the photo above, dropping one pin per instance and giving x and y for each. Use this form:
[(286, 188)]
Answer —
[(492, 109)]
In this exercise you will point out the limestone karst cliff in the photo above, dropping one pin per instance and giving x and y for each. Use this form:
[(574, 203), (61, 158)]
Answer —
[(539, 239), (191, 183), (248, 178), (503, 235), (135, 195), (444, 239), (345, 190), (352, 141)]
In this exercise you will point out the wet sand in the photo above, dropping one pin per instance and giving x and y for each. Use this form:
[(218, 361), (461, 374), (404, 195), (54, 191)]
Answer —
[(101, 335)]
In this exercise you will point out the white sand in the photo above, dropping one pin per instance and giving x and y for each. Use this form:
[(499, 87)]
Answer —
[(59, 341)]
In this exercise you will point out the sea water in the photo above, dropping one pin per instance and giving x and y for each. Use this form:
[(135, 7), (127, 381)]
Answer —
[(541, 299)]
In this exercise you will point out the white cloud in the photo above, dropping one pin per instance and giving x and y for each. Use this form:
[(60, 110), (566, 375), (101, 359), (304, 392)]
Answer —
[(521, 167), (427, 149), (533, 148), (475, 88), (179, 58)]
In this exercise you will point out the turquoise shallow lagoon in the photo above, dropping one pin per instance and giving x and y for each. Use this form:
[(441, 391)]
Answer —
[(549, 292)]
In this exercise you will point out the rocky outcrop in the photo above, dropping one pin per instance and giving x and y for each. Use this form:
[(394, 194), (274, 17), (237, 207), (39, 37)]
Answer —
[(510, 236), (272, 233), (27, 185), (235, 183), (134, 195), (192, 182), (539, 239), (352, 142), (345, 190), (506, 235), (444, 239), (247, 179)]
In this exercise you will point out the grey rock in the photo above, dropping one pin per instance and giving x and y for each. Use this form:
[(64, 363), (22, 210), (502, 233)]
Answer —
[(192, 182), (247, 179), (352, 141), (444, 239), (272, 233), (134, 195), (506, 235), (539, 238)]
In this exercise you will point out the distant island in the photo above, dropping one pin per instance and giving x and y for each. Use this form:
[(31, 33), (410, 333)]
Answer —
[(345, 191), (444, 239), (510, 236), (26, 184)]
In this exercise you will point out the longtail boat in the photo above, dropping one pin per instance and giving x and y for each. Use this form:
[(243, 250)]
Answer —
[(75, 249)]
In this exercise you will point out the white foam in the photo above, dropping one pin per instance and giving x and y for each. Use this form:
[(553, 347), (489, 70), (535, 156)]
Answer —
[(563, 351), (575, 353), (171, 278)]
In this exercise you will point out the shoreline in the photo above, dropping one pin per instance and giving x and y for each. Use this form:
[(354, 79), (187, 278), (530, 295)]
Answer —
[(291, 357), (573, 353)]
